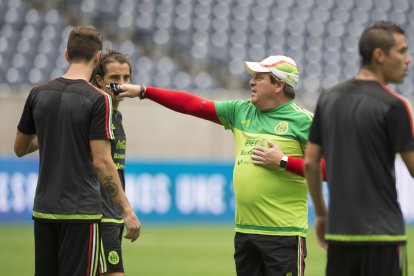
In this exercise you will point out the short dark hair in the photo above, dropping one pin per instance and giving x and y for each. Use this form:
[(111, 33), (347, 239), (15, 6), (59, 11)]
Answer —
[(288, 90), (112, 56), (378, 35), (83, 43)]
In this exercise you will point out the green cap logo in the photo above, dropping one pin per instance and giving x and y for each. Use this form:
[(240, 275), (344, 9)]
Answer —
[(113, 257)]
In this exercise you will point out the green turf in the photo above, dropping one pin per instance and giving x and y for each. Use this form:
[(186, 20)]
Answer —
[(165, 250)]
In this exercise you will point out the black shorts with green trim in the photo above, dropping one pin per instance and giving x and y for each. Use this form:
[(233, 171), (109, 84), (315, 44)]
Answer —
[(66, 248), (257, 255), (111, 257), (366, 260)]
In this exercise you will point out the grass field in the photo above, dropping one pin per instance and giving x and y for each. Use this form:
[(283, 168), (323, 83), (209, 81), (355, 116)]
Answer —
[(165, 250)]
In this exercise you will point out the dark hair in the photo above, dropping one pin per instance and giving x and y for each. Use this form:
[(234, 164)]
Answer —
[(112, 56), (379, 35), (287, 89), (83, 43)]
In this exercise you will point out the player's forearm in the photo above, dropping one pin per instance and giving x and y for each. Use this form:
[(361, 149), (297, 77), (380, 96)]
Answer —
[(111, 183), (183, 102), (33, 146), (314, 179), (295, 165)]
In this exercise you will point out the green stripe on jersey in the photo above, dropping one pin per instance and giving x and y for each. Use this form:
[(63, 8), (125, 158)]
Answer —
[(66, 217), (276, 230), (366, 238), (109, 220)]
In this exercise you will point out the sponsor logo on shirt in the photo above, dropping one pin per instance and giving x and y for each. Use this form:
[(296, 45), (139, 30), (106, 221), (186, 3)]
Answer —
[(121, 144), (255, 142)]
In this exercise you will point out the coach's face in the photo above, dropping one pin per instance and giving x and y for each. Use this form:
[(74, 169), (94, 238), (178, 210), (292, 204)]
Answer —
[(395, 63), (263, 91)]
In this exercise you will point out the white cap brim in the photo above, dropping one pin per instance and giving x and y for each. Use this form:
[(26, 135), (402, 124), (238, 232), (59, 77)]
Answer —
[(253, 67)]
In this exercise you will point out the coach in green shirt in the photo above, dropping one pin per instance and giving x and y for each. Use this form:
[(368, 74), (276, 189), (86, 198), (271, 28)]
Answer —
[(271, 203)]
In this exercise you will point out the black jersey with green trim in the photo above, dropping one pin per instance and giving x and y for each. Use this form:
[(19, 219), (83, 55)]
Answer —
[(360, 126), (65, 115), (110, 212)]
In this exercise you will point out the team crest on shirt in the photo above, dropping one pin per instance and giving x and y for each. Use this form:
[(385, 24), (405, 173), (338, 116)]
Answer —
[(245, 122), (282, 128), (113, 257)]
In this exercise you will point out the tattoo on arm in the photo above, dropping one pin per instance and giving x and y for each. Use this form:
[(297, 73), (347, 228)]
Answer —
[(110, 187)]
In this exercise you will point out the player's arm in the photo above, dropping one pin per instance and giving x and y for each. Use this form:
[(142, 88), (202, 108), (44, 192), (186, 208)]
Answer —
[(179, 101), (313, 175), (25, 144), (296, 165), (273, 157), (408, 158), (109, 178)]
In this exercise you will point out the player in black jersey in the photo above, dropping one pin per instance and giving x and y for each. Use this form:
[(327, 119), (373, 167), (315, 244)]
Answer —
[(115, 67), (359, 126), (72, 122)]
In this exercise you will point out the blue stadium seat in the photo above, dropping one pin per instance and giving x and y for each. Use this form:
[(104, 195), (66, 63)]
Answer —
[(181, 43)]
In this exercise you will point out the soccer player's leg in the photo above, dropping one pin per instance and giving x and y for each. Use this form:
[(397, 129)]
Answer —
[(282, 255), (247, 257), (79, 249), (111, 262), (46, 248), (384, 260), (343, 260)]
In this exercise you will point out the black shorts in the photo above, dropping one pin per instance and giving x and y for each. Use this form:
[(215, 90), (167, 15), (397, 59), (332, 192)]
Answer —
[(257, 255), (66, 249), (111, 260), (366, 260)]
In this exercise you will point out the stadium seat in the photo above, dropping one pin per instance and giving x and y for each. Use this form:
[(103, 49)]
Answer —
[(181, 43)]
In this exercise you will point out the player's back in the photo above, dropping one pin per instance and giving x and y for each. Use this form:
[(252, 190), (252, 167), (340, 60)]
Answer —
[(357, 143), (63, 112)]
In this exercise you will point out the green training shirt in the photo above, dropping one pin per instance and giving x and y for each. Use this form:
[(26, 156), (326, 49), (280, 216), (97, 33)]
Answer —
[(268, 201)]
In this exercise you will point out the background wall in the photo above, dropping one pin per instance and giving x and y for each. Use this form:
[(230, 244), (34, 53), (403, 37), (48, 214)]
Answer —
[(153, 131)]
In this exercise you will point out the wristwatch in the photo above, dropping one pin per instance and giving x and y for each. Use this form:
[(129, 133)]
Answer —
[(283, 162)]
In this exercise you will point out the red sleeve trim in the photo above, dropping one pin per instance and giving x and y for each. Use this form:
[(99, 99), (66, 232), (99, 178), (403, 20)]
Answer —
[(108, 113), (295, 165), (183, 102), (404, 101)]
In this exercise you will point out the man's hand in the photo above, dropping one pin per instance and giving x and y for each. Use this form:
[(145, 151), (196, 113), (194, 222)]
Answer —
[(128, 90), (267, 157), (133, 226), (320, 231)]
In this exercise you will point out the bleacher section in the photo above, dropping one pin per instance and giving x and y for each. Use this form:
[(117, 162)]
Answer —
[(199, 45)]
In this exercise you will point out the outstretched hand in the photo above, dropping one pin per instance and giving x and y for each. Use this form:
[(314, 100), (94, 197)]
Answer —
[(267, 157), (129, 90)]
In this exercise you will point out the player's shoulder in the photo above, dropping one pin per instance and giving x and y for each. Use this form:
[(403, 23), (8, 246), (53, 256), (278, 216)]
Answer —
[(301, 112), (48, 85), (90, 91), (234, 105)]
